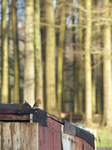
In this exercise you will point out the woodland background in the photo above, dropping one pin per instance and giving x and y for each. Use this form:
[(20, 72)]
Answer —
[(58, 51)]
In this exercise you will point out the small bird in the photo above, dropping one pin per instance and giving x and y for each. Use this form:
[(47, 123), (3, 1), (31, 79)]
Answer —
[(37, 103)]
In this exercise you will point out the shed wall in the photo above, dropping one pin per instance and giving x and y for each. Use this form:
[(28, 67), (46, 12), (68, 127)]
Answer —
[(30, 136)]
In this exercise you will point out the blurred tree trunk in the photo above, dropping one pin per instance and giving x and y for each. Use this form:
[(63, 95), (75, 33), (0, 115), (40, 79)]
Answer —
[(75, 72), (38, 53), (88, 79), (61, 46), (16, 52), (50, 81), (29, 68), (98, 60), (94, 59), (4, 88), (43, 46), (80, 41), (107, 83)]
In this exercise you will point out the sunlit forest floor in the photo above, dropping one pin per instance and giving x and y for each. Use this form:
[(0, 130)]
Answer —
[(104, 138)]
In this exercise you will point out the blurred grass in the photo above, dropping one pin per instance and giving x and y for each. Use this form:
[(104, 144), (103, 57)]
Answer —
[(104, 138)]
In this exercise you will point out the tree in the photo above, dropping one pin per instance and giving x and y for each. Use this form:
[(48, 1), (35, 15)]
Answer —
[(96, 69), (29, 72), (38, 53), (88, 80), (16, 52), (50, 82), (4, 89), (61, 47), (74, 34), (80, 43), (107, 78)]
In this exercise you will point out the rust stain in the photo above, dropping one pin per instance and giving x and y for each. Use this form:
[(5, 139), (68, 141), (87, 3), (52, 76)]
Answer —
[(50, 136), (87, 146)]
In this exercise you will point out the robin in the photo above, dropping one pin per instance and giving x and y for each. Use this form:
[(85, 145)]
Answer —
[(37, 103)]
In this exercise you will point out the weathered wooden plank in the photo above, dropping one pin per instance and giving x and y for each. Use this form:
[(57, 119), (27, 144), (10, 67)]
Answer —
[(15, 136), (14, 117), (6, 143), (29, 136)]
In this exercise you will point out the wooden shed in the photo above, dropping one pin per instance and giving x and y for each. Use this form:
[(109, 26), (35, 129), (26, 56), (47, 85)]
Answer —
[(25, 128)]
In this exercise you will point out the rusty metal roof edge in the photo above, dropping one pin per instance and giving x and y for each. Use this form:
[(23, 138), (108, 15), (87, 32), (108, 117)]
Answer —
[(55, 118), (76, 131), (13, 108)]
